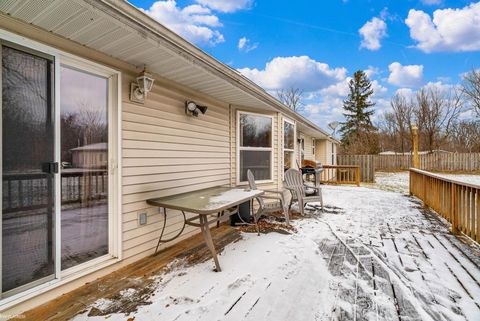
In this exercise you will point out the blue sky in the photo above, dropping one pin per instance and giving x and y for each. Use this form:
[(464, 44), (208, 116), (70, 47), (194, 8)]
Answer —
[(317, 45)]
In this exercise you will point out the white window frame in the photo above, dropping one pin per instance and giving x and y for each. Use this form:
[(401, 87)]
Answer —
[(240, 148), (114, 138), (314, 149), (301, 148), (334, 152), (286, 120)]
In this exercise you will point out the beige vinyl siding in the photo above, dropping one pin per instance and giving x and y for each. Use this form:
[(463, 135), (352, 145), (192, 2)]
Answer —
[(308, 148), (321, 151), (166, 152), (324, 151)]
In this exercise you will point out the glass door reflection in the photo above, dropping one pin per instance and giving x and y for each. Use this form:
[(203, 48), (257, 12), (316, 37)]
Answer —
[(84, 172)]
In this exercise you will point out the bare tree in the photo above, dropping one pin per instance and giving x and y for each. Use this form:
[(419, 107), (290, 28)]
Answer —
[(465, 136), (387, 132), (401, 119), (292, 97), (471, 88), (435, 112)]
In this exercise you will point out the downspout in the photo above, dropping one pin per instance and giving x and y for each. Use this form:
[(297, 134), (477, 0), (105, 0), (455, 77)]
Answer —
[(230, 142)]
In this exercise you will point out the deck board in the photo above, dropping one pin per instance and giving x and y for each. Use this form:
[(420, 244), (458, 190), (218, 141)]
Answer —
[(136, 275)]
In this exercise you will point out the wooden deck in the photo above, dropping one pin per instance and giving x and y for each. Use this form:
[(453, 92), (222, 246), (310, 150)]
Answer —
[(407, 268), (417, 269), (137, 276)]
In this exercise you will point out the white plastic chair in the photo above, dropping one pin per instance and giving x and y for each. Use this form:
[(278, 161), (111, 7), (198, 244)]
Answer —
[(269, 194), (294, 183)]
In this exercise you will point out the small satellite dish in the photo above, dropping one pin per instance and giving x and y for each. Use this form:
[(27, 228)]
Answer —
[(333, 125)]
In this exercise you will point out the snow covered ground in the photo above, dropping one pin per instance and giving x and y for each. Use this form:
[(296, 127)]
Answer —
[(398, 181), (371, 255), (394, 182)]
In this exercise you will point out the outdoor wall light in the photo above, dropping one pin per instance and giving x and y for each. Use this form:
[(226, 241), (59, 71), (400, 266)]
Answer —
[(142, 85), (192, 109)]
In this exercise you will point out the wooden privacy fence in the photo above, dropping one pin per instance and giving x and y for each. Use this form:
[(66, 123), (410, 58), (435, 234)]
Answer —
[(340, 174), (465, 162), (457, 202), (365, 162)]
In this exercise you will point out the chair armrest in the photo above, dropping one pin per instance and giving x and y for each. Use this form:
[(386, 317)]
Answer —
[(271, 197), (274, 191)]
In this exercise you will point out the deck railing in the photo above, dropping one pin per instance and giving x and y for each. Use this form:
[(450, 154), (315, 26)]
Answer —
[(340, 174), (31, 191), (457, 202)]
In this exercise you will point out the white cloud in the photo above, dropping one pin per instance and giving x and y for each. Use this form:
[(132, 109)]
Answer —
[(326, 105), (372, 33), (196, 23), (296, 71), (341, 89), (244, 44), (406, 92), (438, 86), (372, 71), (378, 89), (405, 76), (432, 2), (226, 5), (449, 30)]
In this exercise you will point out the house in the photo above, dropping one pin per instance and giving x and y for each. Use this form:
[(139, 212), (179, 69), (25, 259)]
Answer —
[(69, 80), (90, 156)]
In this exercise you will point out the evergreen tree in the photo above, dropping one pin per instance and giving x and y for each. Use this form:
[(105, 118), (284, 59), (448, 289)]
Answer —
[(358, 127)]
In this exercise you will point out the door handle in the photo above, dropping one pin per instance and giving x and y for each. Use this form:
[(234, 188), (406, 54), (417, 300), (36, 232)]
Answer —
[(50, 168)]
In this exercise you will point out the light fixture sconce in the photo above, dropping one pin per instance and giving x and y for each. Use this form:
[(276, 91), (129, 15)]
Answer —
[(142, 85), (192, 109)]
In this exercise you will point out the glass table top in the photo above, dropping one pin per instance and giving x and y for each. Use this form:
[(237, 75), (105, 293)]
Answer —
[(206, 201)]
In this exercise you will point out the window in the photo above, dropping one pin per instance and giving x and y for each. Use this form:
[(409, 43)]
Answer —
[(333, 154), (255, 141), (288, 144), (313, 148), (302, 150)]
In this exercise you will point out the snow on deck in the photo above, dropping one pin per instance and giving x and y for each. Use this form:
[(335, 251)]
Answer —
[(371, 255), (399, 181)]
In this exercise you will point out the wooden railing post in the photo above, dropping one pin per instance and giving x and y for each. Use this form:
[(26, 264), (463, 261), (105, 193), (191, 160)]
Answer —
[(358, 175), (410, 185), (455, 209)]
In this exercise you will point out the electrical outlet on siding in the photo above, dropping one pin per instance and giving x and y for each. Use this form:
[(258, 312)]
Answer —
[(142, 218)]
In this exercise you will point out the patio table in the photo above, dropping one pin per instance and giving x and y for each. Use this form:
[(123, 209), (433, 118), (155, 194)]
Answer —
[(220, 201)]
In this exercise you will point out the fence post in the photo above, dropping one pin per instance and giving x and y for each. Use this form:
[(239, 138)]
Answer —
[(415, 146)]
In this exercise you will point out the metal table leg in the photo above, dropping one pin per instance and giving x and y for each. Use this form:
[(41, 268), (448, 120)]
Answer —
[(160, 240), (208, 240)]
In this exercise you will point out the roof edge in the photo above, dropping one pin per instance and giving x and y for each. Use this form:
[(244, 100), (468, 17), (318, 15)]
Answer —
[(177, 43)]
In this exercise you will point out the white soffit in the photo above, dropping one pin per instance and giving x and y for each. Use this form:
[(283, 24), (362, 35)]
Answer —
[(92, 27), (116, 28)]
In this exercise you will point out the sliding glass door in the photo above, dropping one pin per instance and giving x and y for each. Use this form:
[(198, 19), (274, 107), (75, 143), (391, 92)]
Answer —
[(56, 214), (28, 169), (84, 154)]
